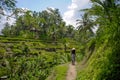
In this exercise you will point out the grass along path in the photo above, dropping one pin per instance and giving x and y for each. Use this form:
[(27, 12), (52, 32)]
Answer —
[(59, 72), (71, 74)]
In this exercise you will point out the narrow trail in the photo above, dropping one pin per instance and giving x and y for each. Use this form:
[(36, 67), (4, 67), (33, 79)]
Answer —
[(71, 74)]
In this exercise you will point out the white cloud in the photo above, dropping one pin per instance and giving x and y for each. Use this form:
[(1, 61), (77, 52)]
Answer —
[(2, 22), (4, 19), (51, 8), (72, 14)]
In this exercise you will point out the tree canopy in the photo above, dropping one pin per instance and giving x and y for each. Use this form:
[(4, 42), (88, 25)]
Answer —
[(7, 5)]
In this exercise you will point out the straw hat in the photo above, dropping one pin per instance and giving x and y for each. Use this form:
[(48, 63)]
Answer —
[(73, 48)]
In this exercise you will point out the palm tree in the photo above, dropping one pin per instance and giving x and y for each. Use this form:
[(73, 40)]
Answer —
[(55, 24), (70, 31), (103, 10), (107, 15), (85, 27)]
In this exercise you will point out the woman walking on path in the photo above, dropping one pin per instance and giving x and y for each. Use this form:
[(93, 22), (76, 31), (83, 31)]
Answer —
[(73, 54)]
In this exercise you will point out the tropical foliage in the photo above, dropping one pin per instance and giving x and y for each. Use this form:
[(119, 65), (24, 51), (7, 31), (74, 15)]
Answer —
[(47, 24), (104, 63), (39, 42)]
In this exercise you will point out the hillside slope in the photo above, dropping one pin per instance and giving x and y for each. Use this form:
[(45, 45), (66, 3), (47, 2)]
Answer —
[(31, 59), (102, 65)]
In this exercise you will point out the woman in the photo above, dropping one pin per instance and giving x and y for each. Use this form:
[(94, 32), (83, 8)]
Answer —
[(73, 54)]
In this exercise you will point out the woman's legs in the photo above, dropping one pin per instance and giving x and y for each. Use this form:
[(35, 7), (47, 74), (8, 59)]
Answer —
[(73, 59)]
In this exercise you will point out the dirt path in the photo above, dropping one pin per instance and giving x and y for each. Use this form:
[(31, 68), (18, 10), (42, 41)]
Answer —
[(71, 74)]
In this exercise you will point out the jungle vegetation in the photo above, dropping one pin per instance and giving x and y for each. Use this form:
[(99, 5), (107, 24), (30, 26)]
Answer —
[(39, 41)]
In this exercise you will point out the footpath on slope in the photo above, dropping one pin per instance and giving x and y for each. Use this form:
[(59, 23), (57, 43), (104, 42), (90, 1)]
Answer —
[(71, 74)]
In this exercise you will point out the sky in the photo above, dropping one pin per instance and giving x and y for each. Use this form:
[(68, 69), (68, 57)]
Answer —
[(39, 5), (69, 9)]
